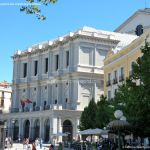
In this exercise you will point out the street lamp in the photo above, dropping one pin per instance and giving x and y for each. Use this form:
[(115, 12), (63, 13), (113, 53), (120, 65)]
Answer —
[(119, 124)]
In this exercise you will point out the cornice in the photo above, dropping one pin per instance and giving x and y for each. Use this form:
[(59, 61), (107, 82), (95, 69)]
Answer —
[(135, 44), (50, 45)]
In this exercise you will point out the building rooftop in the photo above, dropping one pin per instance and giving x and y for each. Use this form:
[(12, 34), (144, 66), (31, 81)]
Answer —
[(140, 11), (122, 39)]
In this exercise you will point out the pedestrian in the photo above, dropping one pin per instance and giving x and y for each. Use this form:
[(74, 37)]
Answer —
[(41, 143), (51, 147), (33, 146), (37, 142)]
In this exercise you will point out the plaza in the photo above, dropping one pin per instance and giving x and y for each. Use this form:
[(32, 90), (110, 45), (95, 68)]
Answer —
[(54, 80)]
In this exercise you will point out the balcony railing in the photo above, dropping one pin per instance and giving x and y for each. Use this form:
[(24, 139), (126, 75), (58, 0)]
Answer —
[(47, 107), (121, 78), (14, 110), (108, 83), (115, 81)]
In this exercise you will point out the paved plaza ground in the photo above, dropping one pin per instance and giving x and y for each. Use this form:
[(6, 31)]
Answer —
[(20, 147)]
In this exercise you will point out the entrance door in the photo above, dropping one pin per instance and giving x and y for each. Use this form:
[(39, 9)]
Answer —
[(67, 128), (26, 128)]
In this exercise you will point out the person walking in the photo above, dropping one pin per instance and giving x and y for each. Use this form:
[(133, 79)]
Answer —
[(51, 147), (41, 143), (34, 146)]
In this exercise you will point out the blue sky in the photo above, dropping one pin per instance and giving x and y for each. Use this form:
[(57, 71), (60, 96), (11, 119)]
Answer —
[(19, 31)]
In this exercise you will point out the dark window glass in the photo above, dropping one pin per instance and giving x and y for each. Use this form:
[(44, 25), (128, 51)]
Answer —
[(109, 76), (24, 70), (67, 58), (57, 61), (139, 30), (2, 100), (56, 101), (66, 100), (122, 71), (35, 67), (115, 74), (46, 65)]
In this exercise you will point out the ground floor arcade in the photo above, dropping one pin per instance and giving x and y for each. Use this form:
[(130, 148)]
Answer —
[(48, 125)]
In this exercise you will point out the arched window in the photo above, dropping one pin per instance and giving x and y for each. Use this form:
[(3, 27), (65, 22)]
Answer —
[(139, 30)]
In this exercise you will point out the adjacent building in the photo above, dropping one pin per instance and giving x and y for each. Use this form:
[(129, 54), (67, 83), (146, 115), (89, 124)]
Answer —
[(137, 23), (5, 97), (118, 65)]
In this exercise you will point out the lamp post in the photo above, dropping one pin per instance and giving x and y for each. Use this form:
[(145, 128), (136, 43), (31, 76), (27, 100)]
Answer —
[(118, 114)]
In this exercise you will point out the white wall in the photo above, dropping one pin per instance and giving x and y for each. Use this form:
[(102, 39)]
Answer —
[(140, 19)]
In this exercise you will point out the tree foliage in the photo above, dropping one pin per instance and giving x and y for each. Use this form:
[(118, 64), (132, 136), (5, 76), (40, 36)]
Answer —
[(135, 94), (88, 119), (33, 7), (96, 115), (104, 113)]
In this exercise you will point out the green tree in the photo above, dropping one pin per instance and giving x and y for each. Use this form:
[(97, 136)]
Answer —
[(134, 95), (33, 8), (104, 112), (88, 116)]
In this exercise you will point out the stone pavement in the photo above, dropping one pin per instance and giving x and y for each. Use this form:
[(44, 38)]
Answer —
[(20, 147)]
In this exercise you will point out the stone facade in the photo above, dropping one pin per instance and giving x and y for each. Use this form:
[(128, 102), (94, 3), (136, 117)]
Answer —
[(53, 81)]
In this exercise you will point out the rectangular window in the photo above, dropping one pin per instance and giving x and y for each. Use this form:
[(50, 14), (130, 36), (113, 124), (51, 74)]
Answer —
[(121, 77), (109, 79), (24, 70), (109, 76), (56, 62), (46, 65), (109, 95), (2, 100), (122, 71), (35, 67), (67, 58), (115, 74)]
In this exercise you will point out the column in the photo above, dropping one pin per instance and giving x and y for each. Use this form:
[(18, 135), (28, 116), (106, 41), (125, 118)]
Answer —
[(20, 128), (61, 64), (39, 66), (50, 130), (49, 86), (41, 128), (9, 127), (50, 63), (38, 95), (60, 98), (54, 129), (75, 128), (59, 129)]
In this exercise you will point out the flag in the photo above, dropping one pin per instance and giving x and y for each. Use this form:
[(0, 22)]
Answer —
[(22, 102), (28, 101), (25, 101)]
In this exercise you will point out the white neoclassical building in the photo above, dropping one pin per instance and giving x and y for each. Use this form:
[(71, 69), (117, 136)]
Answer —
[(55, 80)]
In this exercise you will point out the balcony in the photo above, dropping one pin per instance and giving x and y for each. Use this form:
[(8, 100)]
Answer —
[(115, 81), (121, 78), (47, 107), (108, 83), (14, 110)]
